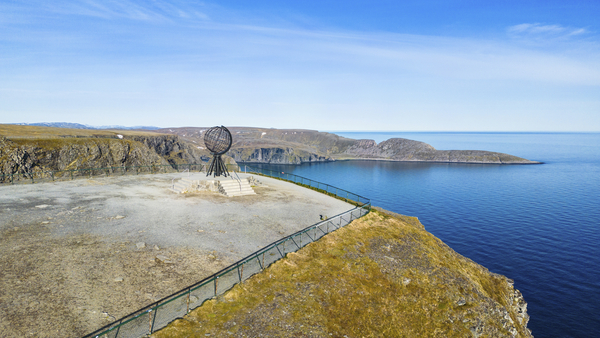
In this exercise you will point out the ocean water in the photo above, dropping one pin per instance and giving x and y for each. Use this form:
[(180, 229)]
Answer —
[(537, 224)]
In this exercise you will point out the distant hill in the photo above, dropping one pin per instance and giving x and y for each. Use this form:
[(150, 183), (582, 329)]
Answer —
[(83, 126), (296, 146)]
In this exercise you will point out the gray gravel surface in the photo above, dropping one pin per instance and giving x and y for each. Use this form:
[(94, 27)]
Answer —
[(72, 257)]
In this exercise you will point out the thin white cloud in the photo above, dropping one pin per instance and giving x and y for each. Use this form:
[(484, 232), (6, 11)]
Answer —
[(537, 29), (157, 10)]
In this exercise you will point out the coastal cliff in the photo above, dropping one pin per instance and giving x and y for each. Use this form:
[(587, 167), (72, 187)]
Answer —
[(276, 155), (400, 149), (31, 150), (296, 146), (382, 275)]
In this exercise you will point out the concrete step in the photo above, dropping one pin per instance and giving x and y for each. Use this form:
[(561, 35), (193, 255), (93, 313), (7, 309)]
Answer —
[(241, 194), (234, 188), (231, 183), (230, 187)]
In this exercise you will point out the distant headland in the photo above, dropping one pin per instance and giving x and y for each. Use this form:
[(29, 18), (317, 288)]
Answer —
[(296, 146)]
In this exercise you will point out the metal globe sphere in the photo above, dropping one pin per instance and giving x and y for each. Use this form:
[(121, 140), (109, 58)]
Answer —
[(217, 140)]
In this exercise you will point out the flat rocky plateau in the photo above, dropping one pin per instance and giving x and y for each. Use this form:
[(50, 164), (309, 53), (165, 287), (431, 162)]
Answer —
[(76, 255)]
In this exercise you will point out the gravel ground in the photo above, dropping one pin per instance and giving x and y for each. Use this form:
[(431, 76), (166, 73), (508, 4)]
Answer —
[(76, 255)]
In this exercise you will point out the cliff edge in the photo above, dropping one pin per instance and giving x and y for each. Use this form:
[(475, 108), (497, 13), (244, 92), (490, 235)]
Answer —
[(382, 275), (33, 150)]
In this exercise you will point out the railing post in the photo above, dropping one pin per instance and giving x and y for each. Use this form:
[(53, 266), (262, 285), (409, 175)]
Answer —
[(188, 300), (263, 262), (152, 320)]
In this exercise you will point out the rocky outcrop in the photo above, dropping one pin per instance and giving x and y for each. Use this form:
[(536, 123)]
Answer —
[(33, 156), (172, 148), (275, 155)]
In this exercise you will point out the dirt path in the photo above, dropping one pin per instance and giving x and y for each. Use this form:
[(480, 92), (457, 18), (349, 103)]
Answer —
[(71, 253)]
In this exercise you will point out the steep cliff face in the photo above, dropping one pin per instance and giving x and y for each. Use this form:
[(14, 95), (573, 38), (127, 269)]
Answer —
[(30, 156), (383, 275), (172, 148), (276, 155)]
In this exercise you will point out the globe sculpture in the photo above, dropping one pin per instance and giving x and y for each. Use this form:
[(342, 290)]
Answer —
[(218, 141)]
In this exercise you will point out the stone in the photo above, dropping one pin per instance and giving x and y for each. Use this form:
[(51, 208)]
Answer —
[(156, 247), (211, 256), (406, 281), (42, 206), (163, 259), (140, 245), (119, 217), (118, 279), (461, 302)]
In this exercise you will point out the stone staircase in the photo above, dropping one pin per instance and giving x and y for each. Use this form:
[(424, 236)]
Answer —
[(232, 187), (226, 186)]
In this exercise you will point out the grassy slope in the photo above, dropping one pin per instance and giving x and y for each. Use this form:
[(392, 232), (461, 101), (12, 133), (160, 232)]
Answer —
[(380, 276), (12, 131)]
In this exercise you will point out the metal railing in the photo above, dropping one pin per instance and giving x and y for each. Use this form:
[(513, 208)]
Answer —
[(315, 185), (157, 315), (236, 178), (64, 175)]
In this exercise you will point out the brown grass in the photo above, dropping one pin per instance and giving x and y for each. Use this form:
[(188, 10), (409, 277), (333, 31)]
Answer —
[(353, 282), (12, 131)]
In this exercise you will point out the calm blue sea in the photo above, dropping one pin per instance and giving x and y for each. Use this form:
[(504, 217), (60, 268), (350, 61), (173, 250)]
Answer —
[(536, 224)]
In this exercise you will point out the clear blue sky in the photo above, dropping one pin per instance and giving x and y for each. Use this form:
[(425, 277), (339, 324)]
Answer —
[(327, 65)]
